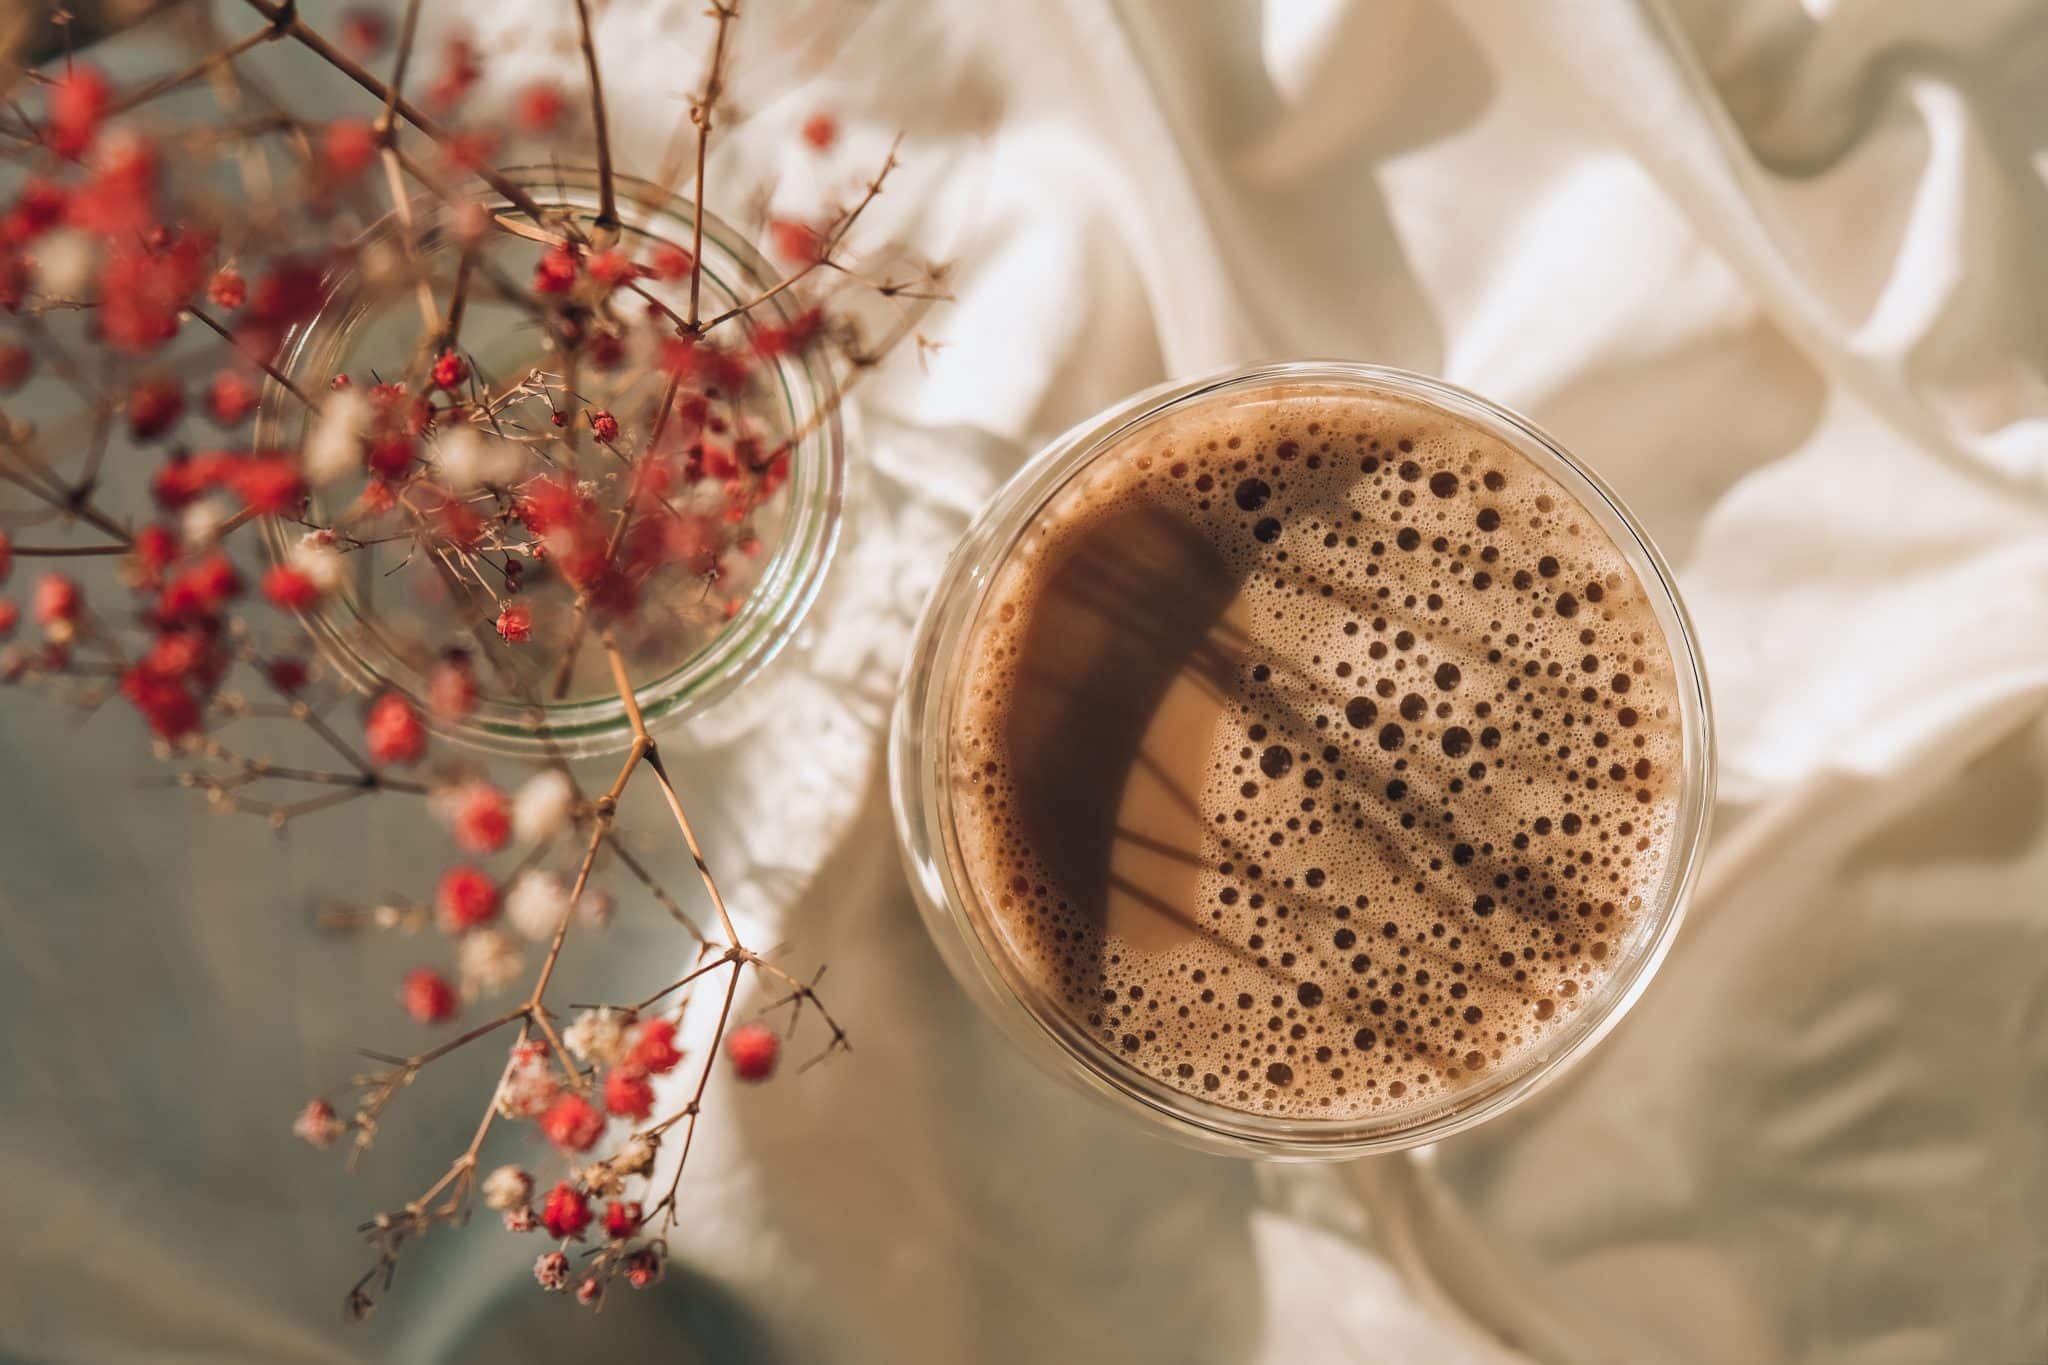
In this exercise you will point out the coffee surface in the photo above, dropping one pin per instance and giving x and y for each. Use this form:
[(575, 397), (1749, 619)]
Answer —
[(1315, 753)]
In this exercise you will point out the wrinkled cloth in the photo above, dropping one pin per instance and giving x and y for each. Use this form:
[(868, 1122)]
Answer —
[(1778, 270)]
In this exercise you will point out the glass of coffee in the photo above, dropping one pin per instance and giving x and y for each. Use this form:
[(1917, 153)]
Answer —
[(1311, 759)]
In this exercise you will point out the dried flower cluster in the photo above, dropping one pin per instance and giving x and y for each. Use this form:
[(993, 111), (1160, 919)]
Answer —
[(562, 472)]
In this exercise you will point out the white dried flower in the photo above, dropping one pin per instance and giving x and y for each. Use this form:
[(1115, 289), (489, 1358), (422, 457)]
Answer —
[(552, 1271), (65, 263), (315, 556), (536, 904), (334, 448), (318, 1124), (467, 457), (508, 1187), (543, 805), (594, 908), (201, 521), (600, 1179), (600, 1036), (529, 1085), (521, 1219), (488, 961), (636, 1154)]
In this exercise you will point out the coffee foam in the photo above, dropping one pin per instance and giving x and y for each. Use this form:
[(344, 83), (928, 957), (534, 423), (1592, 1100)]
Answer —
[(1406, 799)]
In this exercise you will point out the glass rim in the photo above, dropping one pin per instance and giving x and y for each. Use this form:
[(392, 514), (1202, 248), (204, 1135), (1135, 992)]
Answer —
[(921, 800), (772, 609)]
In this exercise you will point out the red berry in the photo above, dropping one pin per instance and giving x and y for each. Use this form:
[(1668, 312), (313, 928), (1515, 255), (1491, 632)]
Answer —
[(556, 273), (364, 31), (290, 589), (80, 100), (347, 147), (566, 1211), (753, 1049), (230, 398), (394, 731), (796, 242), (464, 899), (57, 601), (10, 617), (821, 131), (451, 687), (628, 1093), (540, 107), (450, 371), (428, 996), (483, 819), (654, 1046), (154, 407), (605, 426), (287, 675), (669, 264), (621, 1218), (228, 289), (573, 1124)]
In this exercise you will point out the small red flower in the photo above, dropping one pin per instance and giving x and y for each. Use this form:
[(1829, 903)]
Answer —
[(669, 263), (269, 484), (154, 407), (654, 1046), (556, 273), (540, 107), (318, 1124), (230, 398), (621, 1218), (611, 269), (42, 206), (605, 426), (347, 147), (10, 617), (590, 1291), (821, 131), (286, 675), (427, 995), (16, 363), (566, 1211), (515, 623), (798, 243), (364, 31), (450, 371), (573, 1124), (394, 731), (57, 601), (464, 899), (628, 1093), (460, 71), (753, 1049), (290, 589), (451, 687), (483, 819), (228, 289), (643, 1267), (142, 291), (79, 103), (155, 549), (551, 1272)]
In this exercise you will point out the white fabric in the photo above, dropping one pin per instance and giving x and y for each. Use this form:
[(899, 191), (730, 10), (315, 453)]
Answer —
[(1778, 270)]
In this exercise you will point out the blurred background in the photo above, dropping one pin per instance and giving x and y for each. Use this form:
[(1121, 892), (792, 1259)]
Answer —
[(1778, 269)]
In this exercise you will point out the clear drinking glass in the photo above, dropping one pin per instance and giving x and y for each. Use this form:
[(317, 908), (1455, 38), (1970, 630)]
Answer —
[(354, 321), (920, 773)]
